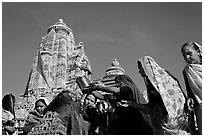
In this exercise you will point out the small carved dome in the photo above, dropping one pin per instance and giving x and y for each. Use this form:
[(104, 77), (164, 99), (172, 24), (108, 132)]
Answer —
[(59, 25), (60, 20), (114, 69), (115, 63)]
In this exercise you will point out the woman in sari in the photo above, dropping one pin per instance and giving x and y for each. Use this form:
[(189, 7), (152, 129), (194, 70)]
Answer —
[(8, 114), (192, 73), (90, 114), (35, 117), (166, 99), (125, 89), (127, 120), (70, 120)]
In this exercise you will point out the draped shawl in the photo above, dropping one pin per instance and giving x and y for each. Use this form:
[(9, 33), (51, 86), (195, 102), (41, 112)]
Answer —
[(42, 98), (193, 73), (137, 96), (8, 103), (169, 89)]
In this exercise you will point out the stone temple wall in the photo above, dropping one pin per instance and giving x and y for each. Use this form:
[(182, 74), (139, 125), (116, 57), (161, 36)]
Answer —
[(58, 62)]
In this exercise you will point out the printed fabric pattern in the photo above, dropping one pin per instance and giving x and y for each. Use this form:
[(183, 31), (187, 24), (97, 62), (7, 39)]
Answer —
[(171, 94)]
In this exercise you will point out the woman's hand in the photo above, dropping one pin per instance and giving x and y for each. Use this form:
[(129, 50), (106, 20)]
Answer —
[(103, 107), (124, 103), (132, 104), (93, 87)]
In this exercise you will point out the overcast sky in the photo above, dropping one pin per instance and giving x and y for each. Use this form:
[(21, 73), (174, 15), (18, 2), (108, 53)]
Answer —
[(125, 31)]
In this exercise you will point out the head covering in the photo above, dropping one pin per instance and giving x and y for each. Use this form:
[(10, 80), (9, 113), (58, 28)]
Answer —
[(58, 103), (137, 96), (193, 73), (196, 46), (8, 102), (199, 48), (87, 95), (45, 100), (167, 86)]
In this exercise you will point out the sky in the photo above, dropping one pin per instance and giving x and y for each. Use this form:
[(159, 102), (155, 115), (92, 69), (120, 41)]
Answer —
[(126, 31)]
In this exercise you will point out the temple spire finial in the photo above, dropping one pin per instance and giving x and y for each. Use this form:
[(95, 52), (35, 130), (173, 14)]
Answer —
[(60, 25), (115, 63), (60, 20)]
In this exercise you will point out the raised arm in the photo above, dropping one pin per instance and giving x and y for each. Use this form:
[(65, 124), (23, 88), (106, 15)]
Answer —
[(107, 89)]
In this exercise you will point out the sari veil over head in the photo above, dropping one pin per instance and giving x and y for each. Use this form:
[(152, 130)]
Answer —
[(193, 73), (8, 103), (199, 49), (169, 89), (137, 96), (45, 100)]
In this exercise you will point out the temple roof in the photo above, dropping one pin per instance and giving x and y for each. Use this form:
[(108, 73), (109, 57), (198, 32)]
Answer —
[(115, 68), (59, 25)]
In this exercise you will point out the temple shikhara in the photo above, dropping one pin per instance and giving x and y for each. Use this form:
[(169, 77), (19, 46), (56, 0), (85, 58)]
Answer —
[(57, 64)]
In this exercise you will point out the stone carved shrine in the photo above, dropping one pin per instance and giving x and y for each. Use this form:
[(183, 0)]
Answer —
[(62, 62), (57, 64)]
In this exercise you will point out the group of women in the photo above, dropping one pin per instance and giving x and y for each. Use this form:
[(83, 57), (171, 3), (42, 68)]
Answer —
[(9, 119), (169, 110), (123, 109)]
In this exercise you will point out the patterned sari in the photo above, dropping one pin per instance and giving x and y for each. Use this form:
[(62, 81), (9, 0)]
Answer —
[(171, 93)]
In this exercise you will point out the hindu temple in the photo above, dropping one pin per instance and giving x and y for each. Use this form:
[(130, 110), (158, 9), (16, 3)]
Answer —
[(57, 64)]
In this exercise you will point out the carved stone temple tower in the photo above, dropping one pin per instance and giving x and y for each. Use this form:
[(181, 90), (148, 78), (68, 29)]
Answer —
[(56, 65)]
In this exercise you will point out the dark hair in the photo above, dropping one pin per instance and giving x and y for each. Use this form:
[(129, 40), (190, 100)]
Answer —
[(92, 95), (8, 102)]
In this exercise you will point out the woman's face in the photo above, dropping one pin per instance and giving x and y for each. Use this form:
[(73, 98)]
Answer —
[(40, 107), (90, 100), (191, 56)]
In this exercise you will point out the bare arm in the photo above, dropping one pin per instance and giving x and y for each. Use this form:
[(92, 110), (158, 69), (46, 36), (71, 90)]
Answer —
[(107, 89), (94, 89), (98, 95)]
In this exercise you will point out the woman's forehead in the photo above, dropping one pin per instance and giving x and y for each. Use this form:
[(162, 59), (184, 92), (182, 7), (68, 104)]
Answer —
[(40, 103), (90, 96), (188, 48)]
